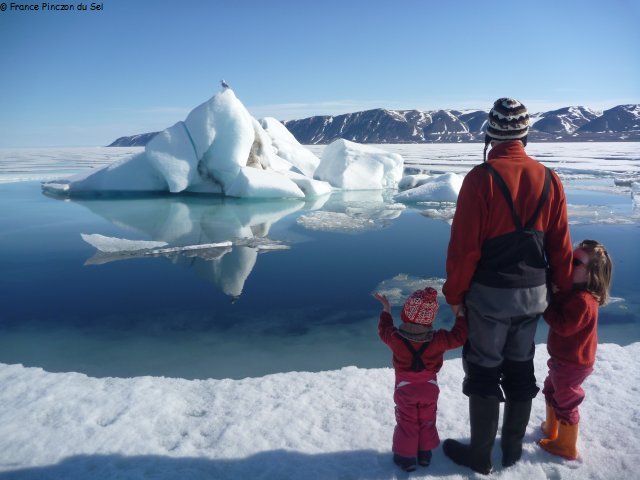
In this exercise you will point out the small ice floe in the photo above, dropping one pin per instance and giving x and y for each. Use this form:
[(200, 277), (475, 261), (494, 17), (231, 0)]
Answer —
[(261, 244), (398, 288), (439, 210), (635, 192), (187, 249), (112, 244), (598, 214), (626, 180), (112, 249), (354, 217), (336, 222)]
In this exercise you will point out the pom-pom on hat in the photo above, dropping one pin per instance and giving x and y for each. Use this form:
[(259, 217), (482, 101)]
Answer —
[(421, 307), (508, 120)]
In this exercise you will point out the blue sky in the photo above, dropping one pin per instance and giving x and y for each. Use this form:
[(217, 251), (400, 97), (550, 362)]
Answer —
[(85, 78)]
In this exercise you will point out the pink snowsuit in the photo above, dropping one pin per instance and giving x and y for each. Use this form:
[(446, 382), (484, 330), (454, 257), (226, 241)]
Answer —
[(416, 392)]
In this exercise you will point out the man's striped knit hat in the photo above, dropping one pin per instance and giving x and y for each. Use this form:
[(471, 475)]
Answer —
[(508, 120)]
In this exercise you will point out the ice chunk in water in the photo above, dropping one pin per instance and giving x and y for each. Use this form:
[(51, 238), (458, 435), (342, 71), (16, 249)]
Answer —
[(441, 188), (111, 244)]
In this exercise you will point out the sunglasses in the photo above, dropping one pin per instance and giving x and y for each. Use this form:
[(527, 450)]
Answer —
[(576, 262)]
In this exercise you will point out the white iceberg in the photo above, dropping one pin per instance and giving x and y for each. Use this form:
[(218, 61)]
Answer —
[(218, 148), (440, 188), (352, 166), (287, 147)]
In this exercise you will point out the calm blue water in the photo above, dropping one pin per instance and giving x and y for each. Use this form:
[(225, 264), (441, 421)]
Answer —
[(244, 313)]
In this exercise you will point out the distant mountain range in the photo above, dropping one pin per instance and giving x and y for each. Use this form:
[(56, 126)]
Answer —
[(568, 124)]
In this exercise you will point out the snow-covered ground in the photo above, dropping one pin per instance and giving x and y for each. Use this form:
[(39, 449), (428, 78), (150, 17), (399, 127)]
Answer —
[(327, 425)]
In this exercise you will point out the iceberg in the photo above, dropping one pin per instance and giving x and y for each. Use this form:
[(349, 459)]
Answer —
[(439, 188), (219, 148), (287, 147), (352, 166)]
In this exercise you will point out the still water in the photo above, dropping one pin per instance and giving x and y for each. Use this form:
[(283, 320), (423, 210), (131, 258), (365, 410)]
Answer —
[(247, 309)]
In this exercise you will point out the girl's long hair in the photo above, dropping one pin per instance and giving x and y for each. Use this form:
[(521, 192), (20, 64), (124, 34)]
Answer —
[(599, 270)]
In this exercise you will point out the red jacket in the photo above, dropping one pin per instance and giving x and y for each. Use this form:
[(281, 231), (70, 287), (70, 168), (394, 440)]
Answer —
[(483, 213), (432, 357), (573, 333)]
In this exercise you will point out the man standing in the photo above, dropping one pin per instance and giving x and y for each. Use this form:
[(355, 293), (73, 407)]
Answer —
[(509, 238)]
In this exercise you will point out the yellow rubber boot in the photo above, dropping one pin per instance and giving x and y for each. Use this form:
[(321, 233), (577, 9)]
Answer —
[(550, 426), (565, 445)]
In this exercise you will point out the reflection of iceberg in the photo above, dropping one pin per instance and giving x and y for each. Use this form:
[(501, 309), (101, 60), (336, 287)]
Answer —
[(219, 238)]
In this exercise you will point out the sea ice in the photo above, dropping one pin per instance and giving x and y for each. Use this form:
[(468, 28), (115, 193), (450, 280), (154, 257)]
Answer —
[(331, 424)]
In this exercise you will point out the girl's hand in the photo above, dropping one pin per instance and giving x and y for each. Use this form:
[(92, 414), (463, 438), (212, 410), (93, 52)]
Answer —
[(383, 300)]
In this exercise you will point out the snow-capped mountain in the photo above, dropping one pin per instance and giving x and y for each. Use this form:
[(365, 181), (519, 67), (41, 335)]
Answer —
[(623, 118), (621, 123), (448, 126), (134, 140), (564, 120)]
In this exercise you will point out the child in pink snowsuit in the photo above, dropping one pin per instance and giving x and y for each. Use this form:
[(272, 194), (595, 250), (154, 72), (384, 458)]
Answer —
[(417, 357)]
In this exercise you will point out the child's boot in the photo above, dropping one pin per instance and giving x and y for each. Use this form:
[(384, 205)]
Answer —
[(424, 458), (408, 464), (550, 426), (565, 444)]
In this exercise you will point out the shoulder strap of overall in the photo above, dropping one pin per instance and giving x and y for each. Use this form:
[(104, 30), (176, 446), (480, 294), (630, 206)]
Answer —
[(417, 365), (505, 191), (543, 198)]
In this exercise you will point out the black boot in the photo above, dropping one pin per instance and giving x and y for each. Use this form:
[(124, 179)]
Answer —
[(408, 464), (424, 457), (483, 419), (514, 425)]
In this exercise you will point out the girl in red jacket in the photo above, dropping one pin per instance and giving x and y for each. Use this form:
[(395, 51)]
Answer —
[(417, 357), (573, 319)]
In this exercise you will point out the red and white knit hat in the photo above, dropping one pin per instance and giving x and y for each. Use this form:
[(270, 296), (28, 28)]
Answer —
[(421, 307)]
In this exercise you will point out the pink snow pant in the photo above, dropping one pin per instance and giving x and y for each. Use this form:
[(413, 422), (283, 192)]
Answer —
[(416, 407), (563, 389)]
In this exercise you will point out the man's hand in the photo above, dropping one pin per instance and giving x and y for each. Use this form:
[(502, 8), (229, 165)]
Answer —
[(458, 310)]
